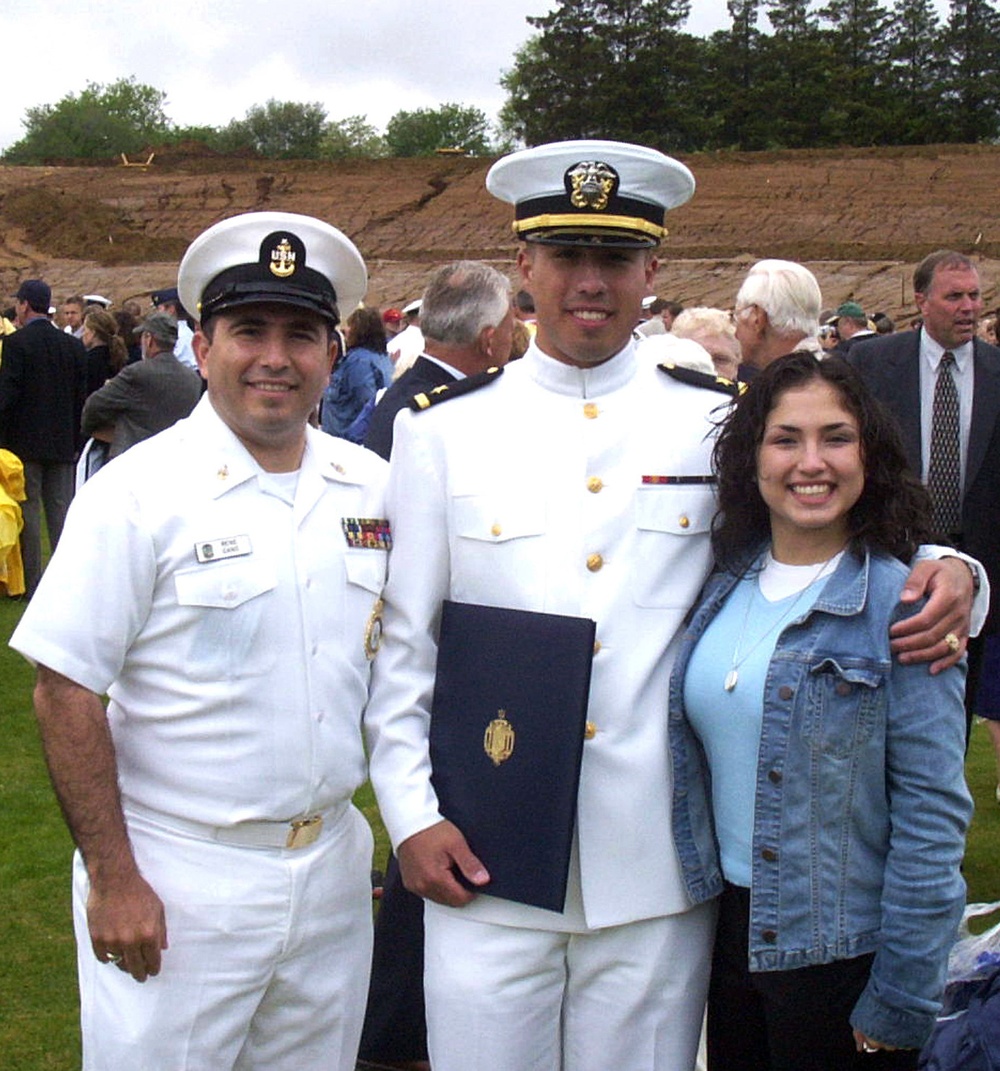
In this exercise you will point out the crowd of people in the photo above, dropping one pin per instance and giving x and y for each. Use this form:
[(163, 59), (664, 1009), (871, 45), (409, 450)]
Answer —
[(783, 521)]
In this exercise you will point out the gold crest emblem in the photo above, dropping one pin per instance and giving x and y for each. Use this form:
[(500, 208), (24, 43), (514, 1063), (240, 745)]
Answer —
[(283, 259), (498, 740), (591, 184)]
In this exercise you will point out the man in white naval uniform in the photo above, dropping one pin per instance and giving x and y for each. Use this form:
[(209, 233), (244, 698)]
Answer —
[(216, 581), (576, 482)]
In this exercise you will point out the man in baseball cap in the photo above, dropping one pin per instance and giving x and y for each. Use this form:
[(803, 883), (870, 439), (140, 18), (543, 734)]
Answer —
[(237, 559), (145, 397), (43, 383)]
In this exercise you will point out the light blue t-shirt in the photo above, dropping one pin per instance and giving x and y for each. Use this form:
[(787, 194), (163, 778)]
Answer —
[(728, 723)]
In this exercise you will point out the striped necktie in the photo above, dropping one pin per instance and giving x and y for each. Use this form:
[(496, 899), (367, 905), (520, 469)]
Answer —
[(944, 473)]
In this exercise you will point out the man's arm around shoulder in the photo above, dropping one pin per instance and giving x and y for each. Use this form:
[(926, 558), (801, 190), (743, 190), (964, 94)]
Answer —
[(954, 609)]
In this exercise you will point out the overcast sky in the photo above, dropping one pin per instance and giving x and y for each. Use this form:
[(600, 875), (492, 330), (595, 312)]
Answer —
[(216, 59)]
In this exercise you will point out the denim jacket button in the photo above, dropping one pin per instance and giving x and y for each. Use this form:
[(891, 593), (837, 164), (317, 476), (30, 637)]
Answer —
[(774, 776), (769, 855), (769, 936), (786, 691), (843, 688)]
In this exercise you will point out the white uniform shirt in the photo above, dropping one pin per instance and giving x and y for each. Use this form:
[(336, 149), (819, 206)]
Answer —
[(530, 493), (236, 684), (183, 347)]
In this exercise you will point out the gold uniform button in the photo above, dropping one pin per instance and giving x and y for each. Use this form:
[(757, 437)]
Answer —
[(594, 562), (597, 646), (595, 484), (685, 521), (496, 530), (590, 732), (590, 411)]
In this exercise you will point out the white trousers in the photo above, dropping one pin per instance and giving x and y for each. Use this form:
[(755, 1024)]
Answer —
[(268, 960), (505, 999)]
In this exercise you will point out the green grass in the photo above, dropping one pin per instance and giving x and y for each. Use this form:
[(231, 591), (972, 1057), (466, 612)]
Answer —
[(982, 870), (38, 1027), (38, 998)]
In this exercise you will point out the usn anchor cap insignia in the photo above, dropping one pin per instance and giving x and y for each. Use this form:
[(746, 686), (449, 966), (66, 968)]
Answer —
[(282, 261), (498, 740)]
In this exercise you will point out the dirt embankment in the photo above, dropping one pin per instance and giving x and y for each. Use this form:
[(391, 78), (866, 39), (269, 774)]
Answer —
[(859, 218)]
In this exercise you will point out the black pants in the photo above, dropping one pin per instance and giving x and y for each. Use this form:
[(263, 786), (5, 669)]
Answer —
[(975, 652), (794, 1020), (395, 1028)]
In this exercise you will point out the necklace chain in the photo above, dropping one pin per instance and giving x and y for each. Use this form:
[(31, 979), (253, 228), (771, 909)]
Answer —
[(733, 676)]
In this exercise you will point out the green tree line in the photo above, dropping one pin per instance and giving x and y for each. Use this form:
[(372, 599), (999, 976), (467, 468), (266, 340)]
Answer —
[(129, 117), (786, 74)]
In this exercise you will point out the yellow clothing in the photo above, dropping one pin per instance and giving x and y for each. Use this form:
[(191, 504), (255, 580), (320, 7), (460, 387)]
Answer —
[(11, 492), (6, 328)]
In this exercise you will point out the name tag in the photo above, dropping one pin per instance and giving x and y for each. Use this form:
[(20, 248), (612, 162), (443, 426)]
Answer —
[(213, 550)]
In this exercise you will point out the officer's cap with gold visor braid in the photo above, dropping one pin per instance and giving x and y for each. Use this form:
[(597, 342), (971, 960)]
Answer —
[(277, 257), (605, 193)]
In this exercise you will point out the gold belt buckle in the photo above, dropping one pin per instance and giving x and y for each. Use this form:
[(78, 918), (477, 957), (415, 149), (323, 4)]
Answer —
[(304, 831)]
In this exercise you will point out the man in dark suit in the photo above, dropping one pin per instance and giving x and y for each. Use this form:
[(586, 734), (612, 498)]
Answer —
[(146, 397), (903, 371), (43, 382), (467, 322)]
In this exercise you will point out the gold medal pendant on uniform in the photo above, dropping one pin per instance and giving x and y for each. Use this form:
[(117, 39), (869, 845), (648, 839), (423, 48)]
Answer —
[(373, 630), (498, 740)]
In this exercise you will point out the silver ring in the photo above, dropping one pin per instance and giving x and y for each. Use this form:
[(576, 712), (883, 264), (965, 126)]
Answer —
[(954, 643), (867, 1047), (113, 957)]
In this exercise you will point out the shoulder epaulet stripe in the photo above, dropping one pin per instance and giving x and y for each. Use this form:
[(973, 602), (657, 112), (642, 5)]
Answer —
[(694, 378), (426, 399)]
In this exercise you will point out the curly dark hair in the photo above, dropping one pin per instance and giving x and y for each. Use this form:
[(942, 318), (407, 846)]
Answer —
[(365, 329), (893, 513)]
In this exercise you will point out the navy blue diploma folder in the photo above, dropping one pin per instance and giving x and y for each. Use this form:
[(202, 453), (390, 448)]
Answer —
[(506, 741)]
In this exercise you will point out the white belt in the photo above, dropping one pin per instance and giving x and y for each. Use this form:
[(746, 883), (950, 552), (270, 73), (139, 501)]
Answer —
[(292, 834)]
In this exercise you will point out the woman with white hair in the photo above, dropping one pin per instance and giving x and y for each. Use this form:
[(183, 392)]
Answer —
[(714, 330)]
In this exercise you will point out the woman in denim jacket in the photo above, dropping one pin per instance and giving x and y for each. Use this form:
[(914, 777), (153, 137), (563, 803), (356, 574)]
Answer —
[(818, 783)]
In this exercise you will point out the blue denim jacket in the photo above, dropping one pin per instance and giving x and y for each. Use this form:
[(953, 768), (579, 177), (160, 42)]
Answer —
[(358, 377), (860, 806)]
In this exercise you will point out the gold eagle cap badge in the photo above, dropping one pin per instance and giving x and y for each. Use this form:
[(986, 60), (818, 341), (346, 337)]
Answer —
[(591, 184), (498, 740), (283, 259)]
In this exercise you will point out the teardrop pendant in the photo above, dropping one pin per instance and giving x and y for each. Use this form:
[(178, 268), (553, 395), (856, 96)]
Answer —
[(731, 678)]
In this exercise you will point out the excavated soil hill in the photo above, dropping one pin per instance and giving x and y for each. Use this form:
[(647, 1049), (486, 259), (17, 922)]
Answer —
[(859, 218)]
